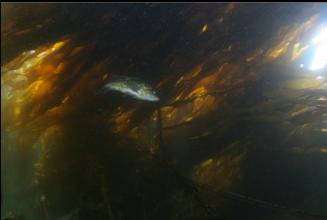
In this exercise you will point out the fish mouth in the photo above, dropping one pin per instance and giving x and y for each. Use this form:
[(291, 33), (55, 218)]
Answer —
[(153, 99)]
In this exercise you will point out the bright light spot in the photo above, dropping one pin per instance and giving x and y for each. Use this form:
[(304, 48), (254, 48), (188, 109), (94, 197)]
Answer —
[(319, 77), (41, 54), (322, 98), (320, 56), (320, 37), (301, 65)]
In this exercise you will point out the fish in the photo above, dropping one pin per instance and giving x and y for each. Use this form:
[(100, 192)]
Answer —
[(131, 86)]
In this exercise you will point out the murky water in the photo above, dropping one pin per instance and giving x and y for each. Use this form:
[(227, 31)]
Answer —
[(211, 111)]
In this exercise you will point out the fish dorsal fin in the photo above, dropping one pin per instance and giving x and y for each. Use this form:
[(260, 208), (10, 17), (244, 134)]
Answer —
[(120, 77)]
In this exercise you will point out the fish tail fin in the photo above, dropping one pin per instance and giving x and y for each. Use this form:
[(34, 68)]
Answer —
[(102, 90)]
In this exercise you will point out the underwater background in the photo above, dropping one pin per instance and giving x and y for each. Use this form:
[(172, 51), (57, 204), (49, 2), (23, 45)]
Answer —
[(240, 131)]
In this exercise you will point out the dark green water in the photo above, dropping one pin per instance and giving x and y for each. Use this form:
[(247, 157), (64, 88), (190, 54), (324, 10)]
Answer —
[(239, 132)]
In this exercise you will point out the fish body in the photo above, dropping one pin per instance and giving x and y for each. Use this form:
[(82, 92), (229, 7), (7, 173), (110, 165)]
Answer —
[(133, 87)]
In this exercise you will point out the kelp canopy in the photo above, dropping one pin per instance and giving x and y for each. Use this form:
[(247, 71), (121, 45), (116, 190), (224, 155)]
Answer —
[(241, 115)]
